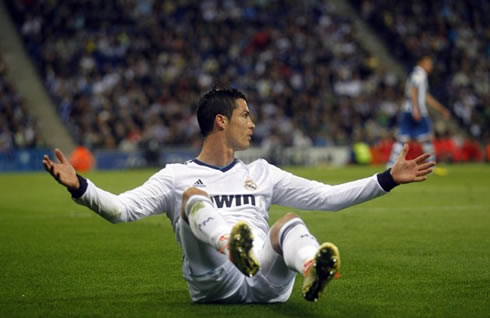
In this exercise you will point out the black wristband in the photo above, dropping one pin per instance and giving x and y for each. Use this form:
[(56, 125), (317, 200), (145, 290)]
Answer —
[(386, 181), (77, 193)]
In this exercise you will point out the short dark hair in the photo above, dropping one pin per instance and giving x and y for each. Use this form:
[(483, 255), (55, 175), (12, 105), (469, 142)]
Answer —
[(424, 55), (216, 101)]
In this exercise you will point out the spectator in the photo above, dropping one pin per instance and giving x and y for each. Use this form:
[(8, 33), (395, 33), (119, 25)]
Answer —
[(18, 129), (117, 67), (457, 32)]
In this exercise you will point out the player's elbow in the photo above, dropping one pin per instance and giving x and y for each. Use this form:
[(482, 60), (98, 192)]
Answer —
[(114, 216)]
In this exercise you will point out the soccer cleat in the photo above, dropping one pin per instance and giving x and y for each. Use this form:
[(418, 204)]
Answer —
[(241, 252), (320, 270)]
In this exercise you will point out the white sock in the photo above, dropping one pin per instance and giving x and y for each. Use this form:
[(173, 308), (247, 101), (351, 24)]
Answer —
[(206, 223), (395, 152), (297, 244), (428, 146)]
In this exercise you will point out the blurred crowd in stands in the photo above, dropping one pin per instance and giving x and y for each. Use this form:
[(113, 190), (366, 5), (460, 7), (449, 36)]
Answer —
[(127, 74), (18, 129), (457, 33)]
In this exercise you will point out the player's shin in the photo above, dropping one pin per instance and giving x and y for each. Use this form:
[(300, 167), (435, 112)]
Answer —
[(428, 146), (395, 152), (205, 221), (317, 263), (297, 244), (209, 226)]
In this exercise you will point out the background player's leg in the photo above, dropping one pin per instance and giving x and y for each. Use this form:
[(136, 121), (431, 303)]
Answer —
[(395, 152), (425, 137), (428, 146), (406, 123)]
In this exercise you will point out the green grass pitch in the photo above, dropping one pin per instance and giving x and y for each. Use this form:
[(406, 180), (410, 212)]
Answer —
[(423, 250)]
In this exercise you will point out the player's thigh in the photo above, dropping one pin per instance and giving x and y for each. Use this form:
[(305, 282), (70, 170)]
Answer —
[(407, 124), (274, 281), (199, 257), (211, 277)]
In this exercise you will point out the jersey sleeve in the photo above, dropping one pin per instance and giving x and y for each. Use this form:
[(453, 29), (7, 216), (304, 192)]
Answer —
[(153, 197), (417, 79), (300, 193)]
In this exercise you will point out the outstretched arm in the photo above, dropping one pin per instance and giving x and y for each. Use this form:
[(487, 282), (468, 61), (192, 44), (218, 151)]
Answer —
[(300, 193), (434, 103), (150, 198)]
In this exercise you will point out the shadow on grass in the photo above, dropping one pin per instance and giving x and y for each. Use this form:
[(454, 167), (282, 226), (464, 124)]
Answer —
[(173, 303), (292, 308)]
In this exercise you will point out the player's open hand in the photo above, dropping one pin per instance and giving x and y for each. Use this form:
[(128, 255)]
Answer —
[(63, 172), (416, 170)]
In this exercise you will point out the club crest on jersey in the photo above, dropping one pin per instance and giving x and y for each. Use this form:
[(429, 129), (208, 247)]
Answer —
[(250, 185)]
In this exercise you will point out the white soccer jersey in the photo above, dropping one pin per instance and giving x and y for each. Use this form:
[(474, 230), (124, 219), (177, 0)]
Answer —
[(418, 79), (239, 191)]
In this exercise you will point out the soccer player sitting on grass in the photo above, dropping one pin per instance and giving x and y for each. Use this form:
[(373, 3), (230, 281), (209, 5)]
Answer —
[(219, 206)]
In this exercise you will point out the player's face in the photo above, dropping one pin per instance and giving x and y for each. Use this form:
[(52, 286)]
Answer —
[(241, 127), (428, 65)]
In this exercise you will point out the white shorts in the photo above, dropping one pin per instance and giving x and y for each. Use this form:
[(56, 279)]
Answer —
[(211, 277)]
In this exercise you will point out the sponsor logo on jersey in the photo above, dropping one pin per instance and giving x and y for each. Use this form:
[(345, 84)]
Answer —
[(199, 184), (250, 185), (230, 200)]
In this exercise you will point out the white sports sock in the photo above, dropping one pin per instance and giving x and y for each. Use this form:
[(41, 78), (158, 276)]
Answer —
[(395, 152), (297, 244), (206, 223), (428, 146)]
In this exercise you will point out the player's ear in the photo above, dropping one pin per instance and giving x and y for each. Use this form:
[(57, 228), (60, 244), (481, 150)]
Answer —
[(221, 121)]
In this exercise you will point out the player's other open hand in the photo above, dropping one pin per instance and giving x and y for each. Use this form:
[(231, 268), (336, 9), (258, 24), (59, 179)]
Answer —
[(415, 170), (63, 172)]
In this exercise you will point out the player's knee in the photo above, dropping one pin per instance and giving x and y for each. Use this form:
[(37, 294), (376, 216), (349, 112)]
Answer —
[(425, 139), (283, 220), (288, 216), (188, 193), (276, 229)]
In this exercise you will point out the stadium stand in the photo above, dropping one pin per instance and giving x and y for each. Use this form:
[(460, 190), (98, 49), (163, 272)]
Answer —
[(124, 73), (457, 32), (18, 128)]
